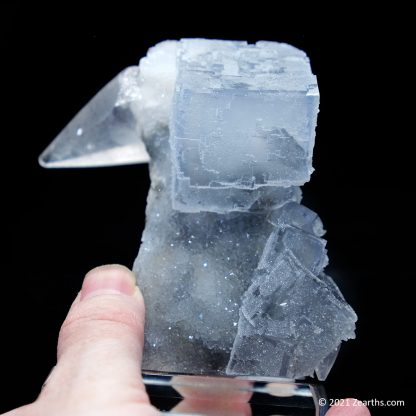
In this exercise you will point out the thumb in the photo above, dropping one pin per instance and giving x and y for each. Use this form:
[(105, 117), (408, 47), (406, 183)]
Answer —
[(99, 350)]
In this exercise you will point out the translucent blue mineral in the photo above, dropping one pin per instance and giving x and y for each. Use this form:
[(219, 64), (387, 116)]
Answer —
[(243, 117), (231, 265)]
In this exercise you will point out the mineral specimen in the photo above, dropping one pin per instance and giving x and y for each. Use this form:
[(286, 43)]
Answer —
[(231, 264)]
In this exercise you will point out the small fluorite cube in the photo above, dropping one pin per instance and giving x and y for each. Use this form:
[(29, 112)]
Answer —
[(259, 104)]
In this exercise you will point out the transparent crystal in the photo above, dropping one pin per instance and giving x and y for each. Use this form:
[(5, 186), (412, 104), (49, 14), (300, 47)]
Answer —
[(292, 316), (244, 117), (105, 132)]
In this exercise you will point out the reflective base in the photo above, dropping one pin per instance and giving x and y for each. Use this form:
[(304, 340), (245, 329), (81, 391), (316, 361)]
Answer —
[(226, 396)]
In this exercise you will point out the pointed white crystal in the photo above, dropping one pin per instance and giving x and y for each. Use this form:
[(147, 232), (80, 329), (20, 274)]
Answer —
[(106, 132)]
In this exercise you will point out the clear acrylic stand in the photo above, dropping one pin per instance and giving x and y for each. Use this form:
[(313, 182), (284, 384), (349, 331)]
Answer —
[(181, 394)]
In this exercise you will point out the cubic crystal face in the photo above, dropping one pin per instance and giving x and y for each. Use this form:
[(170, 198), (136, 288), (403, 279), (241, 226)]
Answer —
[(282, 318), (243, 117)]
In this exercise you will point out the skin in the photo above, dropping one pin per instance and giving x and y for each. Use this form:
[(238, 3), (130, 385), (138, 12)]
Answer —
[(99, 354)]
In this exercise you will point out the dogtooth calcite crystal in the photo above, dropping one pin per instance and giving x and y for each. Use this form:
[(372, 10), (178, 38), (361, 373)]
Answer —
[(231, 265)]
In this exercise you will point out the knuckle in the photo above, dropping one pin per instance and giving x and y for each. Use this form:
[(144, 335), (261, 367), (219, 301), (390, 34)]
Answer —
[(109, 315)]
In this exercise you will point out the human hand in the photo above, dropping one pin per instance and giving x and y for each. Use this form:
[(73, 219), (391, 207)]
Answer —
[(100, 345), (99, 353)]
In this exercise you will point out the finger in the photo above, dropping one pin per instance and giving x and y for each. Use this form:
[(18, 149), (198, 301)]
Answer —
[(348, 407), (100, 346), (20, 411)]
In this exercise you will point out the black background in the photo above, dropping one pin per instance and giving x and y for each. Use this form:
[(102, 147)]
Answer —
[(60, 223)]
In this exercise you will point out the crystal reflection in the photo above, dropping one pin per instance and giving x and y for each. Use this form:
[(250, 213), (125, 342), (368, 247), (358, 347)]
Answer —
[(225, 396)]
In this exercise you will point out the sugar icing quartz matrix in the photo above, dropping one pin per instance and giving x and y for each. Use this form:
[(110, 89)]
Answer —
[(231, 264)]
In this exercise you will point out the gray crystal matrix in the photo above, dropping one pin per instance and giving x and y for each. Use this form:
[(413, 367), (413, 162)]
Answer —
[(231, 264)]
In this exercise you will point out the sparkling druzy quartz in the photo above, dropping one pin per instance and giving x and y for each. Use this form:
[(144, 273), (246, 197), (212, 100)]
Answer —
[(231, 264)]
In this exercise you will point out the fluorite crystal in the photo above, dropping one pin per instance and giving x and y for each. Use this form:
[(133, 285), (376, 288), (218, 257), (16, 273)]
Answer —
[(243, 118), (231, 264)]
